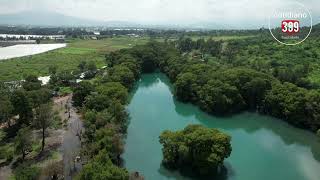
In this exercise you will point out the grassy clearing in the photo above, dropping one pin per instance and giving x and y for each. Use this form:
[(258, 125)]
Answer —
[(66, 58), (108, 44)]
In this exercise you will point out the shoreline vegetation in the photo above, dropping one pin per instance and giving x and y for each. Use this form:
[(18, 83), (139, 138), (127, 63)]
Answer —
[(218, 89)]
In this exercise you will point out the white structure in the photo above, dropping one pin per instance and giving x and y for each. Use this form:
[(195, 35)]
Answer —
[(27, 50), (17, 36)]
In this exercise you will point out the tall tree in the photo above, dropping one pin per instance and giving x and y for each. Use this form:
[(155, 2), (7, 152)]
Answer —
[(43, 119)]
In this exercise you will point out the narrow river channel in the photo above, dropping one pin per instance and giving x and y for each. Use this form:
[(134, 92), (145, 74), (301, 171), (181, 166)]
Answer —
[(264, 148)]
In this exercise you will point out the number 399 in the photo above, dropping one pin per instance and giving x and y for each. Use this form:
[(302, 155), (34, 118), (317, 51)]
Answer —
[(290, 26)]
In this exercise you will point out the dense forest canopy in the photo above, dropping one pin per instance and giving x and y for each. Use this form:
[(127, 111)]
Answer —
[(211, 75)]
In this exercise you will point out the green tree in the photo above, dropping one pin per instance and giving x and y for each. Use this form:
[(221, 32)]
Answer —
[(97, 102), (119, 114), (220, 98), (255, 91), (114, 90), (22, 106), (38, 97), (111, 140), (80, 92), (43, 120), (123, 75), (101, 168), (6, 109), (184, 87), (23, 142), (31, 83), (199, 148)]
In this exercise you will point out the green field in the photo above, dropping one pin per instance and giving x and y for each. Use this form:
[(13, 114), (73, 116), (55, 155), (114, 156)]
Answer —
[(66, 58), (76, 51)]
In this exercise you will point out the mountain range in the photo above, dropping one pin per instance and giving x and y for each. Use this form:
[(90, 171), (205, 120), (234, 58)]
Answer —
[(55, 19)]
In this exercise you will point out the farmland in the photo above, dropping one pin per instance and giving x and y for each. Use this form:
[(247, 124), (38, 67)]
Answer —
[(67, 58)]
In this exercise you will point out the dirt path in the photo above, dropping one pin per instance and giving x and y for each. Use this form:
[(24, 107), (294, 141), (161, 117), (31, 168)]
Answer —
[(66, 139), (5, 172), (71, 142)]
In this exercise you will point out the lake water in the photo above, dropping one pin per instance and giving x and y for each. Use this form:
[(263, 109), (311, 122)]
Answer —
[(264, 148), (27, 50)]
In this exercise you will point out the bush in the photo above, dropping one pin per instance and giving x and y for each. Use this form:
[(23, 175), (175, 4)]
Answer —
[(26, 172), (101, 167), (6, 152)]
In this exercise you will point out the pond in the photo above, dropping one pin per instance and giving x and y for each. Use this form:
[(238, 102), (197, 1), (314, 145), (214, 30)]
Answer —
[(264, 148)]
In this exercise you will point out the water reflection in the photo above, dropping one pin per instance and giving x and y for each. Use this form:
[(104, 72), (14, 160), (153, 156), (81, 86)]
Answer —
[(223, 174)]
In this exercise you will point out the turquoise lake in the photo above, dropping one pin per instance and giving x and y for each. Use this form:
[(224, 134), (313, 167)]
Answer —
[(264, 148)]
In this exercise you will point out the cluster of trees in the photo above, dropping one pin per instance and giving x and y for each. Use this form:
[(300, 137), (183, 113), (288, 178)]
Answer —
[(86, 70), (105, 121), (209, 46), (175, 33), (295, 105), (32, 104), (23, 109), (103, 103), (68, 31), (222, 91), (262, 53), (101, 167), (199, 149), (229, 87)]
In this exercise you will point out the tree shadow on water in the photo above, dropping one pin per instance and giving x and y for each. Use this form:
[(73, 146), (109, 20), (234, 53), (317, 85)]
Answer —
[(224, 173)]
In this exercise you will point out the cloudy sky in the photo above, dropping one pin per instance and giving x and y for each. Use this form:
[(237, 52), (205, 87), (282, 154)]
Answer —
[(161, 11)]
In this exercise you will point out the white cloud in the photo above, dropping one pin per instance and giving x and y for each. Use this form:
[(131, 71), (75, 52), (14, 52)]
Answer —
[(159, 11)]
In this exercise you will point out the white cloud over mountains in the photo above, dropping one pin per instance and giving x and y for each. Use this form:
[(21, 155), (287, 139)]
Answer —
[(235, 12)]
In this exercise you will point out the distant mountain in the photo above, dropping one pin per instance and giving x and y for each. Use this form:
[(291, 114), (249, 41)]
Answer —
[(55, 19), (43, 18)]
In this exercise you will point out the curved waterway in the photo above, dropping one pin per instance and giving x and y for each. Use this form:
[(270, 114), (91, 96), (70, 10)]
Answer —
[(264, 148)]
